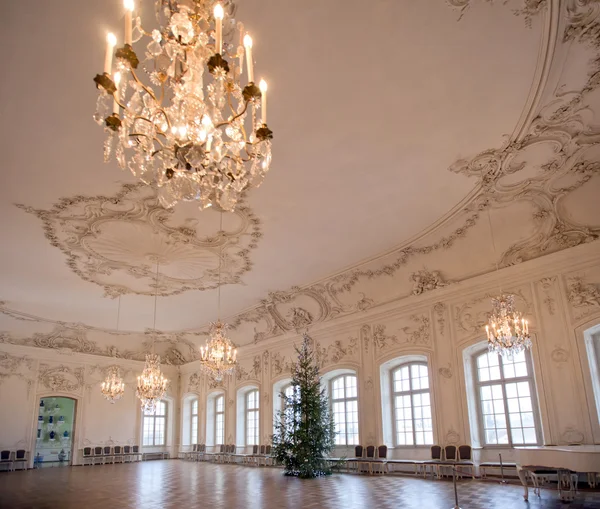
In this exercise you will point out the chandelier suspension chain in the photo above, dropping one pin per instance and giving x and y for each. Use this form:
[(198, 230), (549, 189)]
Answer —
[(489, 215), (220, 259)]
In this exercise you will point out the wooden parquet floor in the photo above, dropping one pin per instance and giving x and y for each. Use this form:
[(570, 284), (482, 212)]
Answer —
[(172, 484)]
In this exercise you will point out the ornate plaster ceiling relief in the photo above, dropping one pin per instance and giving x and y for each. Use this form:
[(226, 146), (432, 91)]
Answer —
[(117, 241)]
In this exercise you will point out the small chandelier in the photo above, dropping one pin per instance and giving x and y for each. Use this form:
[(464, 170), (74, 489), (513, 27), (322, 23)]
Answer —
[(113, 387), (219, 356), (151, 384), (190, 127), (507, 330)]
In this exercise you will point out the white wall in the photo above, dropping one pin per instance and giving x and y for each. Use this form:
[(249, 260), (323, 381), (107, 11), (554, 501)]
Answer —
[(558, 293), (27, 374), (555, 292)]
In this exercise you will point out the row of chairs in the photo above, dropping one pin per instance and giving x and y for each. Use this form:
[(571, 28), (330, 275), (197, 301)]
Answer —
[(226, 453), (443, 460), (111, 454), (13, 459)]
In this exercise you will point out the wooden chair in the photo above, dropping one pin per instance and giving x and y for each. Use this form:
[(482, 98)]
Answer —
[(6, 458), (434, 462), (107, 454), (465, 458), (136, 455), (368, 459), (20, 458), (118, 454), (450, 459), (353, 462), (380, 463), (98, 457), (87, 457), (127, 454)]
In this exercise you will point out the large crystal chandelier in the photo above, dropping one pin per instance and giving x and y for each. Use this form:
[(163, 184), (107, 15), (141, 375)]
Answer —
[(151, 384), (190, 127), (507, 331), (113, 386), (219, 356)]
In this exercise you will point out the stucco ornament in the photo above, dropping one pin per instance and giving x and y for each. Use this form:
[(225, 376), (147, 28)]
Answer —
[(61, 378), (116, 242)]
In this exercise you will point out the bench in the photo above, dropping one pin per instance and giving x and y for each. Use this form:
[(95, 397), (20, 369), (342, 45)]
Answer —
[(162, 455), (496, 464)]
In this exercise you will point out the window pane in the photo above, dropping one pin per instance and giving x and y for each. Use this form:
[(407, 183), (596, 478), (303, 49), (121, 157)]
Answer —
[(220, 403), (195, 406)]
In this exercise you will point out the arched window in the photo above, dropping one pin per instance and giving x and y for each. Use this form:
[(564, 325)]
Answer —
[(220, 419), (194, 426), (154, 426), (344, 403), (506, 396), (252, 415), (413, 423)]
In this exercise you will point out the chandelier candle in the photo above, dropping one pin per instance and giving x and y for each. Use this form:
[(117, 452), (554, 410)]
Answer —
[(111, 42), (263, 94), (117, 81), (219, 13), (248, 46), (128, 4), (185, 123)]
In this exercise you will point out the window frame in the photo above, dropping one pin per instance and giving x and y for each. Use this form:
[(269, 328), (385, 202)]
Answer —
[(410, 393), (219, 413), (502, 381), (194, 420), (254, 410), (154, 417), (345, 400)]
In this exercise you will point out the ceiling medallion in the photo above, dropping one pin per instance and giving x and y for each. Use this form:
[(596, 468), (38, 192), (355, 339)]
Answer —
[(107, 241), (507, 331), (193, 134), (113, 387)]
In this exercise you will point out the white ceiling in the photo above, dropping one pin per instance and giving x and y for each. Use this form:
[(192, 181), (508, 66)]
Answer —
[(370, 103)]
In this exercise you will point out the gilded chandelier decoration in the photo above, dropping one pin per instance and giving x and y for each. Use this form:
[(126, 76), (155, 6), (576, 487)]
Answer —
[(113, 386), (507, 330), (191, 127), (219, 356), (151, 384)]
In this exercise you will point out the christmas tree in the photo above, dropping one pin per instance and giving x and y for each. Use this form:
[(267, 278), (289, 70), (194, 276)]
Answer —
[(304, 430)]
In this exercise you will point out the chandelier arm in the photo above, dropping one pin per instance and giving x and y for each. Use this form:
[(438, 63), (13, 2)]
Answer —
[(149, 91), (228, 122), (149, 137)]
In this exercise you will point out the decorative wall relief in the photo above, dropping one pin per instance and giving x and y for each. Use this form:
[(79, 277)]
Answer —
[(116, 241), (369, 383), (280, 364), (265, 361), (256, 367), (446, 372), (571, 435), (583, 297), (440, 312), (12, 363), (338, 351), (547, 285), (452, 437), (560, 355), (382, 340), (419, 335), (365, 336), (61, 378), (241, 374), (425, 281), (299, 318)]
